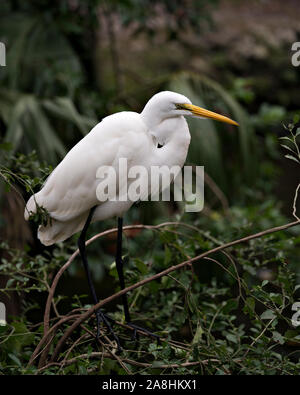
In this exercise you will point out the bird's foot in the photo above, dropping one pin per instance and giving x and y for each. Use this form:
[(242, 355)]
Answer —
[(101, 317), (136, 328)]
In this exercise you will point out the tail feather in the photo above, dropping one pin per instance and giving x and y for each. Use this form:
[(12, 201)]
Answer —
[(59, 231), (56, 230)]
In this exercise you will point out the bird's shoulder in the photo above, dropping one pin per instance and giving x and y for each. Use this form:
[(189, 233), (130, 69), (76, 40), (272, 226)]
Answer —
[(120, 123), (70, 188), (124, 129)]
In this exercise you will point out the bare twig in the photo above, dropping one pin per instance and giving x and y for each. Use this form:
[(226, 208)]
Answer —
[(126, 360), (295, 202), (92, 310), (105, 233)]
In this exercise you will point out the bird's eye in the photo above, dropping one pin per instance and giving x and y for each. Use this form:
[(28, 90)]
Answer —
[(179, 106)]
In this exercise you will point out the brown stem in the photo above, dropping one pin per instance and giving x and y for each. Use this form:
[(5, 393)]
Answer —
[(73, 256), (86, 315), (128, 361)]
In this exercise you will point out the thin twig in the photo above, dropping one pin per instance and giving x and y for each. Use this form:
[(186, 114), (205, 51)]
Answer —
[(129, 361), (105, 233), (94, 308), (295, 202)]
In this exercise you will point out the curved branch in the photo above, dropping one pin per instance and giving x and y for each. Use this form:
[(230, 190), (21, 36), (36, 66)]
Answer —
[(129, 361), (74, 255), (86, 315)]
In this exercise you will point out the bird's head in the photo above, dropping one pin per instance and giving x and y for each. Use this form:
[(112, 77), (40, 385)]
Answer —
[(168, 104)]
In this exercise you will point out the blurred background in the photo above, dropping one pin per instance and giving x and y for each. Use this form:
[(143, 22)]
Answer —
[(69, 63)]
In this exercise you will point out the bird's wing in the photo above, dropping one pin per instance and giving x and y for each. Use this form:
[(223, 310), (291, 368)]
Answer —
[(70, 190)]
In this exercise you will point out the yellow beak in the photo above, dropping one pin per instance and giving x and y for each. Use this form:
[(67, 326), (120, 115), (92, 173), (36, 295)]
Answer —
[(202, 112)]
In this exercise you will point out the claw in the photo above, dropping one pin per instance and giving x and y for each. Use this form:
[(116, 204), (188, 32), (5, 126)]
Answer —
[(101, 317), (136, 328), (135, 335)]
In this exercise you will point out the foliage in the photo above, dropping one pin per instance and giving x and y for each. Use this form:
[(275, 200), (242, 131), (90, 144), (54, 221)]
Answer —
[(33, 109), (229, 321), (45, 113), (19, 171), (229, 312), (293, 145), (181, 14)]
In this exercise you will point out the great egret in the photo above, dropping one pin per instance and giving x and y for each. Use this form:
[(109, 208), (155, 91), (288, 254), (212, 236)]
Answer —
[(158, 136)]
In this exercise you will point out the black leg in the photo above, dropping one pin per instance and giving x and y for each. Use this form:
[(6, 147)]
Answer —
[(82, 250), (81, 245), (119, 265)]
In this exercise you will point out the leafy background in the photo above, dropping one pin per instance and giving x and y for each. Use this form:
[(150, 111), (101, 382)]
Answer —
[(69, 64)]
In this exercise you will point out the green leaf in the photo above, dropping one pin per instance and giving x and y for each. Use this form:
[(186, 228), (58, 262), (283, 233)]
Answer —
[(278, 338), (268, 315), (141, 266), (168, 256), (15, 359), (292, 158), (231, 304), (232, 338), (288, 148), (249, 306), (286, 138), (198, 335)]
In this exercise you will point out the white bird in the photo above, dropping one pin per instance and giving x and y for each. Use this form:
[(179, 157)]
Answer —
[(69, 194)]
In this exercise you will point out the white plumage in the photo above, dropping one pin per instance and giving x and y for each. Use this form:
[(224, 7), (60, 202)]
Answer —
[(70, 191)]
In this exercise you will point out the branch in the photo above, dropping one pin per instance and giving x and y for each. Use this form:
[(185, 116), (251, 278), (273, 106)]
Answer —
[(47, 331), (295, 203), (94, 308), (126, 360), (105, 233)]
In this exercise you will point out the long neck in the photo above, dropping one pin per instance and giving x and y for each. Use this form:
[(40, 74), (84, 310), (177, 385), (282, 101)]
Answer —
[(174, 136), (151, 117)]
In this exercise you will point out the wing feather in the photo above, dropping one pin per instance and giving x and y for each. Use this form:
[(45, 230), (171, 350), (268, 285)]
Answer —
[(70, 190)]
